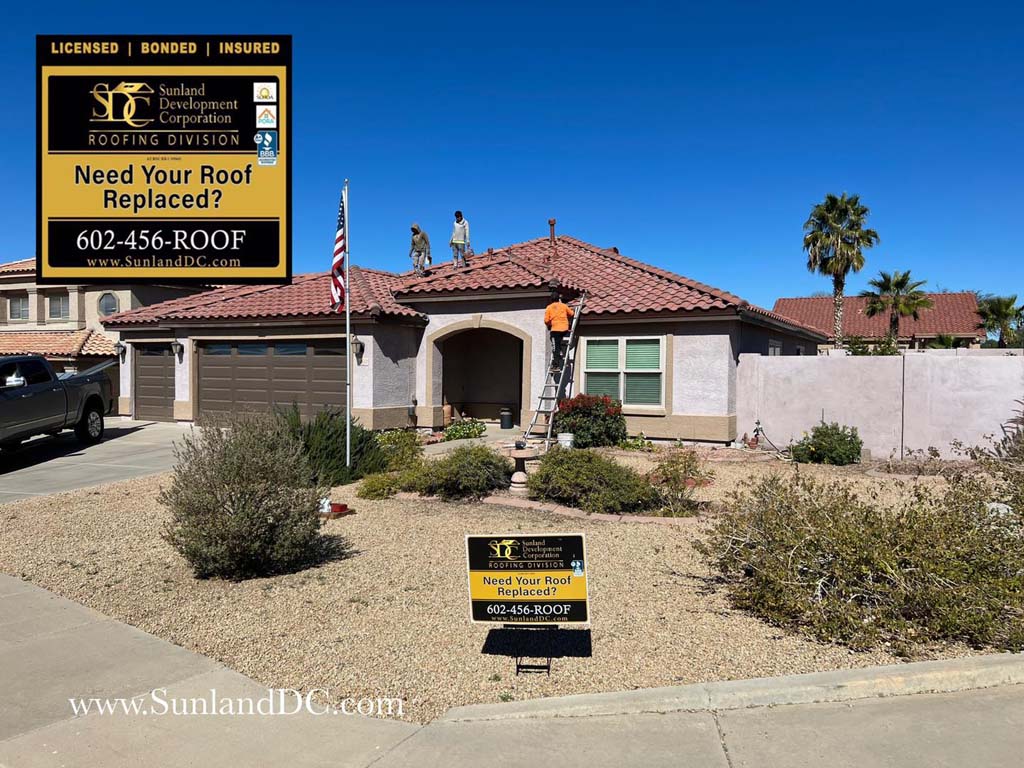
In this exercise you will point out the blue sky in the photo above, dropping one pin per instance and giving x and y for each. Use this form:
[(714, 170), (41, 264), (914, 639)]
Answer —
[(692, 136)]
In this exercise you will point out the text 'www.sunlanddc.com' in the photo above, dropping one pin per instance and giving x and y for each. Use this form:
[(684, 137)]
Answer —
[(276, 702)]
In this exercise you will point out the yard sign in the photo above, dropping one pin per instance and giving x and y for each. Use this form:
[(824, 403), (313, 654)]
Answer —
[(163, 158), (528, 578)]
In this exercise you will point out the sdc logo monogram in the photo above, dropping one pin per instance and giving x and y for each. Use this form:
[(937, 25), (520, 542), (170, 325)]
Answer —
[(119, 104), (504, 549)]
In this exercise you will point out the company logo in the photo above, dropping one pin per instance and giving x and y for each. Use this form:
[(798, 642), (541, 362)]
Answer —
[(266, 116), (264, 91), (121, 103), (504, 549), (266, 147)]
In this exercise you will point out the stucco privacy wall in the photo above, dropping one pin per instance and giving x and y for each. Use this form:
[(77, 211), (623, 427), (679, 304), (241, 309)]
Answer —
[(912, 401)]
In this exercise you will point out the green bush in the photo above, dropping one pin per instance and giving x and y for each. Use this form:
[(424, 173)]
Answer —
[(382, 485), (589, 481), (828, 444), (934, 567), (323, 443), (677, 477), (466, 428), (594, 421), (468, 472), (401, 447), (638, 443), (241, 503)]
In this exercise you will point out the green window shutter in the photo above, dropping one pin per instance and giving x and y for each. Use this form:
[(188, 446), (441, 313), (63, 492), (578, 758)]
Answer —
[(643, 354), (603, 353), (603, 384), (642, 389)]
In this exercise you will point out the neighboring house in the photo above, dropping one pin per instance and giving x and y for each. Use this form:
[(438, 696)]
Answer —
[(951, 314), (64, 322), (474, 338)]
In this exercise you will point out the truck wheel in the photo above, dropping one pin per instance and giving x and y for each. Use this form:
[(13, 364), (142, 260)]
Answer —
[(90, 428)]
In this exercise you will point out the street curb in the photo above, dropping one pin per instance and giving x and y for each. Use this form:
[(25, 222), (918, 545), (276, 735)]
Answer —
[(944, 676)]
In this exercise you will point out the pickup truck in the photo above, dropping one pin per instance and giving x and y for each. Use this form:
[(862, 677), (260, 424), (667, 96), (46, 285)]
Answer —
[(34, 400)]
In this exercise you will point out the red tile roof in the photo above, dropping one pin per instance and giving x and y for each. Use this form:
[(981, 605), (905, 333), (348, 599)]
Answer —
[(24, 266), (56, 343), (954, 314), (306, 296), (615, 285)]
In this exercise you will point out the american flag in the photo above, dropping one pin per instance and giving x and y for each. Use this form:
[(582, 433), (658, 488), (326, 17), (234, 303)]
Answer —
[(338, 261)]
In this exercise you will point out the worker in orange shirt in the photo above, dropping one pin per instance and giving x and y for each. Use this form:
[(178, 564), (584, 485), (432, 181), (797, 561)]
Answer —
[(556, 318)]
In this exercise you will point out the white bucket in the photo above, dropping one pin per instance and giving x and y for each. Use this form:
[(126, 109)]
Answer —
[(565, 439)]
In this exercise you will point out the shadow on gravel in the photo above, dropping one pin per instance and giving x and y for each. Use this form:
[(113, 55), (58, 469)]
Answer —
[(538, 643)]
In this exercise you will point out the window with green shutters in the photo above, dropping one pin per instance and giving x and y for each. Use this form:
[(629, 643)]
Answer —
[(628, 369)]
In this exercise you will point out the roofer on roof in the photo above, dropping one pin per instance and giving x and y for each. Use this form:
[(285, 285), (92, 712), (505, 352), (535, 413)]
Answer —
[(419, 250), (460, 240)]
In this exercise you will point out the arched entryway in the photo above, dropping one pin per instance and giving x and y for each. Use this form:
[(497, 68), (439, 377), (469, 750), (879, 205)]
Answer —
[(482, 372)]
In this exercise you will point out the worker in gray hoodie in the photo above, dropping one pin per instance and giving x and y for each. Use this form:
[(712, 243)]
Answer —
[(460, 241), (419, 250)]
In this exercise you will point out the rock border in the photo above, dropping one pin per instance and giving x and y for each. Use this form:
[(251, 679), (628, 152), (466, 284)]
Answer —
[(559, 509)]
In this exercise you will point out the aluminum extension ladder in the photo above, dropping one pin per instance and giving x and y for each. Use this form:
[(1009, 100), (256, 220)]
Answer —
[(555, 382)]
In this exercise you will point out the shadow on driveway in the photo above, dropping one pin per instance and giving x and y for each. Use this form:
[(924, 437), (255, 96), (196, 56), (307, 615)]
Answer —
[(46, 448)]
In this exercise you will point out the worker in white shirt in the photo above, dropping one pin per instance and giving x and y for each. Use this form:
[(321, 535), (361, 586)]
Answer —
[(460, 240)]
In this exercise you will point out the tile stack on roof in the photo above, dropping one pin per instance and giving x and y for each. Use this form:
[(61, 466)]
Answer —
[(56, 343), (306, 296), (952, 314)]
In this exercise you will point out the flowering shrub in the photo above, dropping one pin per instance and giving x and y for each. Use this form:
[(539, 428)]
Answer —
[(828, 444), (594, 421), (461, 430)]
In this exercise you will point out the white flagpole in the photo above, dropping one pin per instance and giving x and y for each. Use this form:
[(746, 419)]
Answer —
[(348, 339)]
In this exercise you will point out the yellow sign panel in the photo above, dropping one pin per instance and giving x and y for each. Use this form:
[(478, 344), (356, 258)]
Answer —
[(528, 578), (164, 158)]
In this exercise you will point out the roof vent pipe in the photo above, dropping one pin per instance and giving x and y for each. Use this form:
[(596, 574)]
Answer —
[(551, 223)]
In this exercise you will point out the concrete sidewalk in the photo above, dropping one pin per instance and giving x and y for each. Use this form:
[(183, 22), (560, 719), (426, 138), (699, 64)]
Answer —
[(52, 649)]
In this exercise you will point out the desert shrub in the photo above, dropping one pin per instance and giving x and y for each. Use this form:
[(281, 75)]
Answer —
[(382, 485), (323, 444), (676, 478), (638, 443), (933, 567), (466, 428), (401, 448), (241, 502), (589, 481), (828, 444), (468, 472), (594, 421)]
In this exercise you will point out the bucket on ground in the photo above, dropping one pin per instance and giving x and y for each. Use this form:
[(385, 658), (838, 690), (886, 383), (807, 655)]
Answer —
[(565, 439), (506, 418)]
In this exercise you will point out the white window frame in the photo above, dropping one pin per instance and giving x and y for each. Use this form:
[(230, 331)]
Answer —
[(10, 306), (60, 297), (621, 369), (774, 348), (99, 303)]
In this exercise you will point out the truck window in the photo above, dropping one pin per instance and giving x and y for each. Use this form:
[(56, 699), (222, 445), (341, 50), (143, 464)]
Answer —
[(34, 372)]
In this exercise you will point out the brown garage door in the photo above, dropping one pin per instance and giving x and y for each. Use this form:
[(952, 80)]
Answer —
[(154, 382), (256, 376)]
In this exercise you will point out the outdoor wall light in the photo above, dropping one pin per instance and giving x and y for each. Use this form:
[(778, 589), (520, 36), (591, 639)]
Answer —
[(120, 349), (357, 347), (178, 349)]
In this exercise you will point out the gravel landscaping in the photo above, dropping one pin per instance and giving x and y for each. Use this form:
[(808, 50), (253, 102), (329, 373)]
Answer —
[(392, 619)]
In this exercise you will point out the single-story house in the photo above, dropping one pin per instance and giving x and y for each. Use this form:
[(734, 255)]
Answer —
[(472, 338), (951, 314)]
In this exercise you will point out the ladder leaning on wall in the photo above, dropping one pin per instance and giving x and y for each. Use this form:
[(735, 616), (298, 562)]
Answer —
[(554, 383)]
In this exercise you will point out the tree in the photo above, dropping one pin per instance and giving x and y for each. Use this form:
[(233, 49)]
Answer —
[(1000, 315), (899, 296), (945, 341), (835, 238)]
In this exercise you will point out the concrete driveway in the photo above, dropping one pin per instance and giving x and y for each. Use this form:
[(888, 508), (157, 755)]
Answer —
[(46, 465)]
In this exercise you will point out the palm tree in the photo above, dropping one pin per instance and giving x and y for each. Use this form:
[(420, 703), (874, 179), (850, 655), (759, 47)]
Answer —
[(999, 314), (945, 341), (896, 294), (835, 239)]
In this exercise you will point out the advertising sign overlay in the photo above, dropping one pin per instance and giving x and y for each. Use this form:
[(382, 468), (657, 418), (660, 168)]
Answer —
[(528, 578), (163, 158)]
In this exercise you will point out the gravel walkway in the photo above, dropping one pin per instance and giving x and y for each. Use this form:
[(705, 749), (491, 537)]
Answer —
[(393, 618)]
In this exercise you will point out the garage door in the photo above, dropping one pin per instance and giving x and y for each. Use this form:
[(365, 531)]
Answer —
[(256, 376), (154, 382)]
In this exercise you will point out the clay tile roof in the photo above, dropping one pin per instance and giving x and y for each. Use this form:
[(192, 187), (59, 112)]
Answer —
[(56, 343), (306, 296), (24, 266), (954, 314)]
